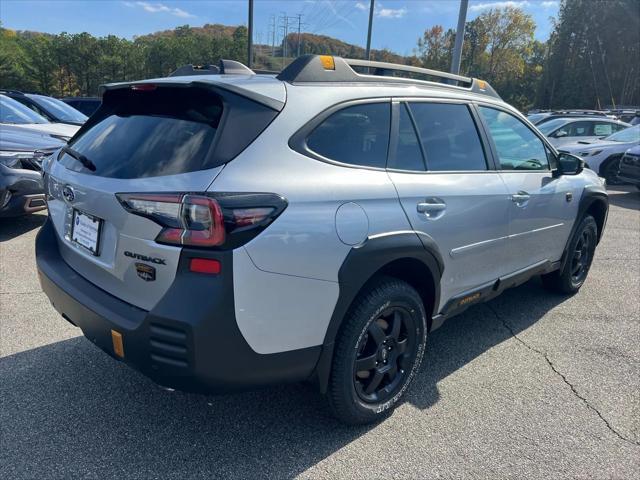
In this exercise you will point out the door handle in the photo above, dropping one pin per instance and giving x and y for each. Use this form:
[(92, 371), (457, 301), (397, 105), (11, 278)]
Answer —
[(520, 198), (432, 208)]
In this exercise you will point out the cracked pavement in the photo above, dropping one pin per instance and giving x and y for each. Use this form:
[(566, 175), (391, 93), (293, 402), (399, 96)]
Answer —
[(529, 385)]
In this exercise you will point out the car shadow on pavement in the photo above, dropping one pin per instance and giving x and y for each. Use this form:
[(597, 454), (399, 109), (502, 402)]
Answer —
[(626, 196), (15, 226), (70, 410)]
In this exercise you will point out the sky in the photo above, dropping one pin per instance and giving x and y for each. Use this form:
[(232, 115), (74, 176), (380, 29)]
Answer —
[(397, 23)]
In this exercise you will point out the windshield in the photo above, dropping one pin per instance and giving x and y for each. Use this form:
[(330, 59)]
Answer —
[(14, 112), (536, 117), (547, 127), (631, 134), (58, 109)]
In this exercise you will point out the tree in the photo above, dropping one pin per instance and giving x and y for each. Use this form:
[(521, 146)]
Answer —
[(594, 56), (435, 48), (499, 47)]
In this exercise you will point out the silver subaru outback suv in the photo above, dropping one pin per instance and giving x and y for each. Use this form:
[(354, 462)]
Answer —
[(220, 230)]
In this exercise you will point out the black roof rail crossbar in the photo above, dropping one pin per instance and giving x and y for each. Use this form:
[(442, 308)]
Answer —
[(311, 69), (224, 67)]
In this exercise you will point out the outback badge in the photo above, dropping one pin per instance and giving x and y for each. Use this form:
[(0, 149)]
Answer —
[(146, 272)]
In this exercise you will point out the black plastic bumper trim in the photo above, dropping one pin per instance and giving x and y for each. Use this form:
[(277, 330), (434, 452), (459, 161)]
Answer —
[(189, 341)]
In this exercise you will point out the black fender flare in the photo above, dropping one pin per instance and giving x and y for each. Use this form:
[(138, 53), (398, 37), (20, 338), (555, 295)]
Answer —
[(361, 264), (591, 195)]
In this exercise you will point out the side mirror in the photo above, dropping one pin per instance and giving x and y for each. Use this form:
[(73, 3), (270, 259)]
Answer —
[(561, 133), (569, 164)]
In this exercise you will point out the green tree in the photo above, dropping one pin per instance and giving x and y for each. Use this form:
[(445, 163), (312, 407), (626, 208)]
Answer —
[(594, 55)]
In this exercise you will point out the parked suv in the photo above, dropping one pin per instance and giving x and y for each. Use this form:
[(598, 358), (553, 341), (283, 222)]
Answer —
[(227, 231)]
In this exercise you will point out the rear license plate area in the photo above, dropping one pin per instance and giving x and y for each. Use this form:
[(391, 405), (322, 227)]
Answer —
[(85, 231)]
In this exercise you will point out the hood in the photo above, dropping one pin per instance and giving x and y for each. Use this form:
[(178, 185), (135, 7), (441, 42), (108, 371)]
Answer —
[(18, 139), (585, 145), (55, 129)]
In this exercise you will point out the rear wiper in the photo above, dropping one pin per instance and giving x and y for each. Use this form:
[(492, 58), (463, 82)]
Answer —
[(88, 164)]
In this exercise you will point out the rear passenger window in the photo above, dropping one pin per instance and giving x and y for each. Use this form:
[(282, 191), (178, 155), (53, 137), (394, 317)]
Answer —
[(449, 137), (408, 153), (357, 135), (603, 129)]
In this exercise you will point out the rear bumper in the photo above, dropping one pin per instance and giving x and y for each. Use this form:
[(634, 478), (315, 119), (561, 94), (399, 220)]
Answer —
[(190, 341)]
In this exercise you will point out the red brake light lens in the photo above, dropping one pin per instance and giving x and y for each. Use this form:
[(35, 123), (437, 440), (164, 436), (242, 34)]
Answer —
[(225, 220), (144, 87), (188, 219), (205, 265)]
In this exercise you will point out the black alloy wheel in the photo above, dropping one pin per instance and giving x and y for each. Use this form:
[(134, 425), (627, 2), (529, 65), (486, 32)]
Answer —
[(582, 256), (378, 351), (384, 353)]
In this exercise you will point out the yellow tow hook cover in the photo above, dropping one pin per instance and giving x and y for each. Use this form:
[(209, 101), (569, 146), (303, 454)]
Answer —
[(118, 346)]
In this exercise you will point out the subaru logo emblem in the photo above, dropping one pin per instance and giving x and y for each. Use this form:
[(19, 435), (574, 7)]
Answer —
[(67, 193)]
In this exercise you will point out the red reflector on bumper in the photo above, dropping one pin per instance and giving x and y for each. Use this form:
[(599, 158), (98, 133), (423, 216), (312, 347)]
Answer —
[(205, 265)]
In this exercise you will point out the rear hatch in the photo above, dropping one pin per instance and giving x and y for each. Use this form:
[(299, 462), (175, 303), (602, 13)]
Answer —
[(137, 164)]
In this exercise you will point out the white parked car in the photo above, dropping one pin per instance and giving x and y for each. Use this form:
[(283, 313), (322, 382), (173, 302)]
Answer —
[(603, 156), (14, 113), (562, 131)]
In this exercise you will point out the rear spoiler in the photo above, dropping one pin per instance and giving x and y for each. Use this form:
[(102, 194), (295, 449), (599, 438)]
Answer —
[(221, 87)]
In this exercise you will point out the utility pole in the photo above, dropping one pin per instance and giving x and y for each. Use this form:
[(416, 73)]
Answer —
[(299, 25), (273, 35), (457, 49), (285, 32), (368, 51), (250, 35)]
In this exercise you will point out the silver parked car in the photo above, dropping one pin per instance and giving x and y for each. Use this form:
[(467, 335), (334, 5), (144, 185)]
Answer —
[(562, 131), (603, 156), (229, 230), (15, 113)]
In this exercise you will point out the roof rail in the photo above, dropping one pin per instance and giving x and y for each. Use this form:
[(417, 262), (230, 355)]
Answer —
[(224, 67), (577, 112), (327, 68)]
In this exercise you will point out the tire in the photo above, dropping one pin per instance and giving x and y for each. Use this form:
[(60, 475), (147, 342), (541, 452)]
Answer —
[(609, 170), (384, 333), (579, 257)]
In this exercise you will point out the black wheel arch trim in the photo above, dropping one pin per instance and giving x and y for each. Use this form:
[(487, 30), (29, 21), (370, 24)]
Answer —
[(362, 263), (591, 196)]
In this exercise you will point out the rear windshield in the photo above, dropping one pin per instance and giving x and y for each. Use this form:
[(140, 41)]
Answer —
[(150, 133)]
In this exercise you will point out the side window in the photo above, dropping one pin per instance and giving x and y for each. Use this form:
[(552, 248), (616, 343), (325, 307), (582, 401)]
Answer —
[(449, 137), (580, 129), (603, 129), (357, 135), (518, 147), (408, 152)]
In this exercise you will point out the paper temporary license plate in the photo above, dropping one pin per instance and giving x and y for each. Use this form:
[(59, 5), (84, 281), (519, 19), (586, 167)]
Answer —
[(86, 231)]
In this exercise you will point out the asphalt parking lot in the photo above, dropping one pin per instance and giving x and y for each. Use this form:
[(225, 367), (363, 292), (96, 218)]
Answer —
[(530, 385)]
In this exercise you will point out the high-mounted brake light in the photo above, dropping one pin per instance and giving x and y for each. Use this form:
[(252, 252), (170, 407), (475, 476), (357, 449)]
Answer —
[(224, 220), (144, 87)]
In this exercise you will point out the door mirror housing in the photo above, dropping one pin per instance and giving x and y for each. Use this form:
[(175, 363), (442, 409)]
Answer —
[(569, 165)]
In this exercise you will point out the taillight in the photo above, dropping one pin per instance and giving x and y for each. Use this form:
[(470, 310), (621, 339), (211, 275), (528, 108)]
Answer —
[(224, 220)]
